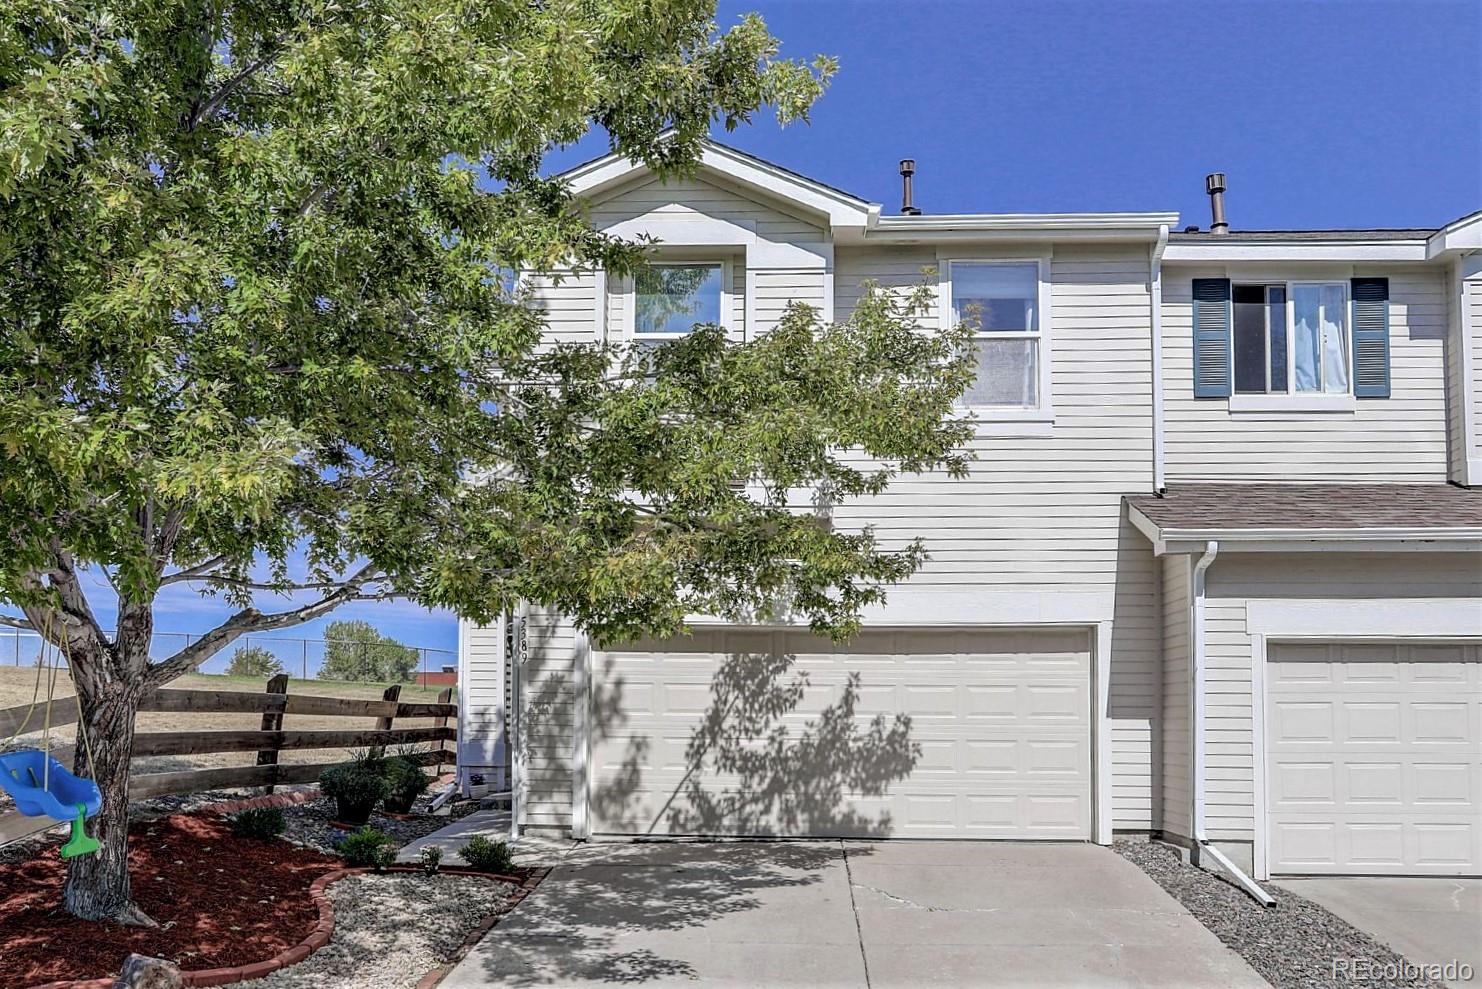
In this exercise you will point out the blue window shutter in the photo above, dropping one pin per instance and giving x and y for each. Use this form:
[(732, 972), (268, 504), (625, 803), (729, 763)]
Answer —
[(1371, 337), (1212, 372)]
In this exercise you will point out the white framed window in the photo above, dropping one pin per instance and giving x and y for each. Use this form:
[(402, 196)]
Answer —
[(1005, 300), (666, 299), (1291, 339)]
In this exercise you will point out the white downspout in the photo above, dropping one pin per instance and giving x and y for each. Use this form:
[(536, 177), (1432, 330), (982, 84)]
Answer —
[(516, 715), (1155, 316), (1202, 846)]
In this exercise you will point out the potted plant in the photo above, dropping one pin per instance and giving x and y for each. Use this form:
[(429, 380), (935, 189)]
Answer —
[(406, 783), (356, 786)]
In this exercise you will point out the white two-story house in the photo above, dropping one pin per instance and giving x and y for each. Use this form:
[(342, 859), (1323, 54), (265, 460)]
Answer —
[(1216, 572)]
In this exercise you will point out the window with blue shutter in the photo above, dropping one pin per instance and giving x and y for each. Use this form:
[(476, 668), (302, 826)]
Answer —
[(1212, 375), (1370, 337)]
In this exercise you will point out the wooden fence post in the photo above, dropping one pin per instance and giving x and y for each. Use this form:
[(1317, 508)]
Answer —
[(392, 695), (272, 720), (444, 696)]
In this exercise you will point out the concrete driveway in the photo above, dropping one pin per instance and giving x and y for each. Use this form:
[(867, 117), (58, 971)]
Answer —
[(1429, 921), (850, 914)]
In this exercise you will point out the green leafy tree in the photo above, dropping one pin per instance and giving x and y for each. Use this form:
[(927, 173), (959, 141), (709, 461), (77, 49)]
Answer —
[(253, 661), (354, 650), (257, 299)]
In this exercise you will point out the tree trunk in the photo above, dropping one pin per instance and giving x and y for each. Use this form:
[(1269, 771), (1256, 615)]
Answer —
[(97, 886)]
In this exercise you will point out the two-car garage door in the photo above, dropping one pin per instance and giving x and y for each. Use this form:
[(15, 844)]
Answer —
[(1374, 758), (943, 733)]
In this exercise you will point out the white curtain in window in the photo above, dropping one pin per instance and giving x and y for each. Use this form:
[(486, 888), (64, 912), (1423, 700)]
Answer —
[(1008, 375), (1334, 341), (1319, 338)]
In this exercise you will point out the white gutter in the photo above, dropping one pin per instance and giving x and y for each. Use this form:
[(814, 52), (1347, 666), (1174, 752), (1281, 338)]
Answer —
[(1155, 321), (1202, 846)]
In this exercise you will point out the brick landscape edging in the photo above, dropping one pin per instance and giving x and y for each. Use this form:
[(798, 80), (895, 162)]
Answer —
[(324, 929)]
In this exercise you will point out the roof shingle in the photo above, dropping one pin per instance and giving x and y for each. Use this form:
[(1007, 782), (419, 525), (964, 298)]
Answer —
[(1312, 506)]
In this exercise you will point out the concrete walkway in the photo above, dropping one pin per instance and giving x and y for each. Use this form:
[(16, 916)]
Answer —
[(850, 914), (528, 849), (1429, 921)]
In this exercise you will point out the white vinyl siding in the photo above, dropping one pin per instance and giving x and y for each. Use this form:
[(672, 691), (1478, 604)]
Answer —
[(1388, 580), (776, 287), (546, 726), (481, 703), (1458, 302), (1400, 438), (1175, 743), (1040, 511), (568, 300), (1474, 299), (777, 232)]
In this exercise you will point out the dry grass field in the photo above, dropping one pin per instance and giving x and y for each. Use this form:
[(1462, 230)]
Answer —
[(18, 683)]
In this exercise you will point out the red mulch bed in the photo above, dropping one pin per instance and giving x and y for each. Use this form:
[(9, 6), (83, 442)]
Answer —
[(220, 900)]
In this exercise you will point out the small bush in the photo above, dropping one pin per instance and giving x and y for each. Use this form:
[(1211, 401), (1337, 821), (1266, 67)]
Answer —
[(385, 857), (432, 859), (364, 847), (261, 823), (406, 783), (356, 786), (486, 855)]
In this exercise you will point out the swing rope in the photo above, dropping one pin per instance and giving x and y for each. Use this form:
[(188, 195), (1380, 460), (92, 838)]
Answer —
[(46, 671), (30, 710)]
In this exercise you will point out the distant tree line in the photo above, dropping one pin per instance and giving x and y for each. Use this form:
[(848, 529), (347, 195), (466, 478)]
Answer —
[(354, 650)]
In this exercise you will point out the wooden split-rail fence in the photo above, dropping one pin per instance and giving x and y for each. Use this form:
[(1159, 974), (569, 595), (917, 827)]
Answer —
[(274, 705)]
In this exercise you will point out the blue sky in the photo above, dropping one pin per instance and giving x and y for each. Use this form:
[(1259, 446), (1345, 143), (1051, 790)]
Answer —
[(1341, 113)]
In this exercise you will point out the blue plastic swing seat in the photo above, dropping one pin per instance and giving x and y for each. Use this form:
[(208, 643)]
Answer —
[(22, 773)]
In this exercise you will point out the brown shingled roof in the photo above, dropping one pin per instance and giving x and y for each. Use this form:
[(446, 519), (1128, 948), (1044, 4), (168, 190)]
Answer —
[(1312, 506)]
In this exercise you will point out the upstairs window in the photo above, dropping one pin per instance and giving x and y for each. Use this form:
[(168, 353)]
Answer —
[(1291, 338), (669, 299), (1000, 300)]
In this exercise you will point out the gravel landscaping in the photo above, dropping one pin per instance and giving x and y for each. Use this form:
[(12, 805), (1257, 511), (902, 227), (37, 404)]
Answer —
[(1293, 945), (390, 930), (309, 823)]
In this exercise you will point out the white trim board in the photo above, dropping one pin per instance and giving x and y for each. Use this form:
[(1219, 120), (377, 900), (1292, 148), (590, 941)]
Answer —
[(932, 607), (1387, 618), (1102, 771)]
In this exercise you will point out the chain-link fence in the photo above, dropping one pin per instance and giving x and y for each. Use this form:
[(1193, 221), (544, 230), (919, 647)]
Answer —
[(257, 657)]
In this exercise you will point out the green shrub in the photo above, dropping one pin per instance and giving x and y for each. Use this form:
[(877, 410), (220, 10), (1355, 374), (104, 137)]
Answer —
[(406, 781), (485, 855), (261, 823), (356, 786), (364, 847), (432, 859), (385, 857)]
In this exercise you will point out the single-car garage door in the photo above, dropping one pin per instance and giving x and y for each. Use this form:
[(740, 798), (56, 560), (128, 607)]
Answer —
[(1374, 758), (956, 733)]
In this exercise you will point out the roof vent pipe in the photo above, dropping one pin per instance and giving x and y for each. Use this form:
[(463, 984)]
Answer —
[(1214, 184), (908, 169)]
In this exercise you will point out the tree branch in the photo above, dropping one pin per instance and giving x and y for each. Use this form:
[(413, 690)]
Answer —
[(260, 586), (193, 573), (20, 623), (225, 90), (250, 620)]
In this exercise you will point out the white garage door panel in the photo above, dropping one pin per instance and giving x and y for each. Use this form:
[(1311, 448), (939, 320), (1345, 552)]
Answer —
[(1374, 758), (999, 721)]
